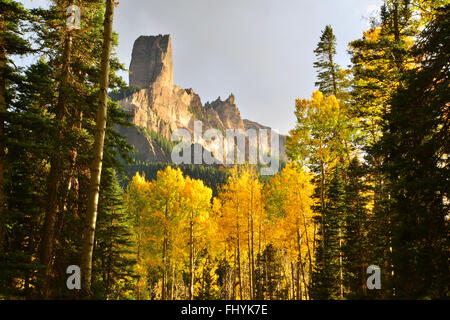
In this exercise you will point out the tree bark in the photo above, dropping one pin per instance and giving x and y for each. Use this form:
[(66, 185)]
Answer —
[(333, 74), (96, 168), (191, 258), (164, 257), (292, 281), (252, 239), (55, 175), (3, 60), (341, 274), (238, 246)]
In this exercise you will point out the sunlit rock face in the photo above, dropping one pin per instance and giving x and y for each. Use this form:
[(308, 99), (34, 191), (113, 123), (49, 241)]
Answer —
[(162, 107), (151, 61)]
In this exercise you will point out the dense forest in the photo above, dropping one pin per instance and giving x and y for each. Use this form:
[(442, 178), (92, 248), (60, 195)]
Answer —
[(367, 182)]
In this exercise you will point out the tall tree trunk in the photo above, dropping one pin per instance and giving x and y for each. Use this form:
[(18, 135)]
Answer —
[(191, 258), (138, 255), (341, 268), (300, 261), (252, 250), (225, 278), (96, 168), (322, 209), (172, 285), (292, 281), (164, 257), (250, 256), (3, 60), (333, 73), (55, 175), (164, 277), (238, 246), (307, 245)]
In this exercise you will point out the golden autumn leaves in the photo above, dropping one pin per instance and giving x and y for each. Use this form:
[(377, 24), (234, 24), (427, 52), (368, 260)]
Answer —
[(183, 234)]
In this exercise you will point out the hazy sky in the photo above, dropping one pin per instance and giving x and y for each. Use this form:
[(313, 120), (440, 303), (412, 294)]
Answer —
[(260, 50)]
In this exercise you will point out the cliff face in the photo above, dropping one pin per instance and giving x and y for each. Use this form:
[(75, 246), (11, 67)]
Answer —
[(162, 107), (151, 61)]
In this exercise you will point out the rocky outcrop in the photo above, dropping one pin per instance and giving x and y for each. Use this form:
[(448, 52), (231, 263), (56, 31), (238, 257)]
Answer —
[(227, 112), (151, 61), (162, 107)]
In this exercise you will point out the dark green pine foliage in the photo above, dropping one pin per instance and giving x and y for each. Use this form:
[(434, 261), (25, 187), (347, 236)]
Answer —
[(79, 132), (30, 132), (355, 245), (387, 56), (268, 275), (326, 278), (370, 98), (113, 264), (21, 170), (416, 145), (206, 280), (327, 69)]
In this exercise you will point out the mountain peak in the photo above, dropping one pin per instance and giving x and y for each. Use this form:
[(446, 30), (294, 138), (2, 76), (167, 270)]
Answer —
[(151, 61), (162, 107)]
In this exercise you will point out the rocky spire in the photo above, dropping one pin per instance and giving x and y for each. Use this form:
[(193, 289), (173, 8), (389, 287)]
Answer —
[(151, 61), (231, 99)]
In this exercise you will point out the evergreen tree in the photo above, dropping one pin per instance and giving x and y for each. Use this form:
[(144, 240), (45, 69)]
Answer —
[(379, 60), (327, 278), (37, 140), (114, 249), (331, 78), (415, 143), (12, 18), (21, 154), (268, 275), (355, 246), (327, 69)]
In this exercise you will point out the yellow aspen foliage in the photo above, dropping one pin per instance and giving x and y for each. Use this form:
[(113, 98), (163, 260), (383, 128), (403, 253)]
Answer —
[(137, 201), (172, 227), (377, 75), (239, 213), (317, 137), (289, 204), (197, 225)]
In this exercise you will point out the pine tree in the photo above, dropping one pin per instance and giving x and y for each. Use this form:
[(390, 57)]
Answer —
[(268, 275), (331, 78), (355, 226), (327, 282), (379, 60), (21, 150), (327, 69), (114, 249), (415, 144), (12, 17), (36, 140)]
